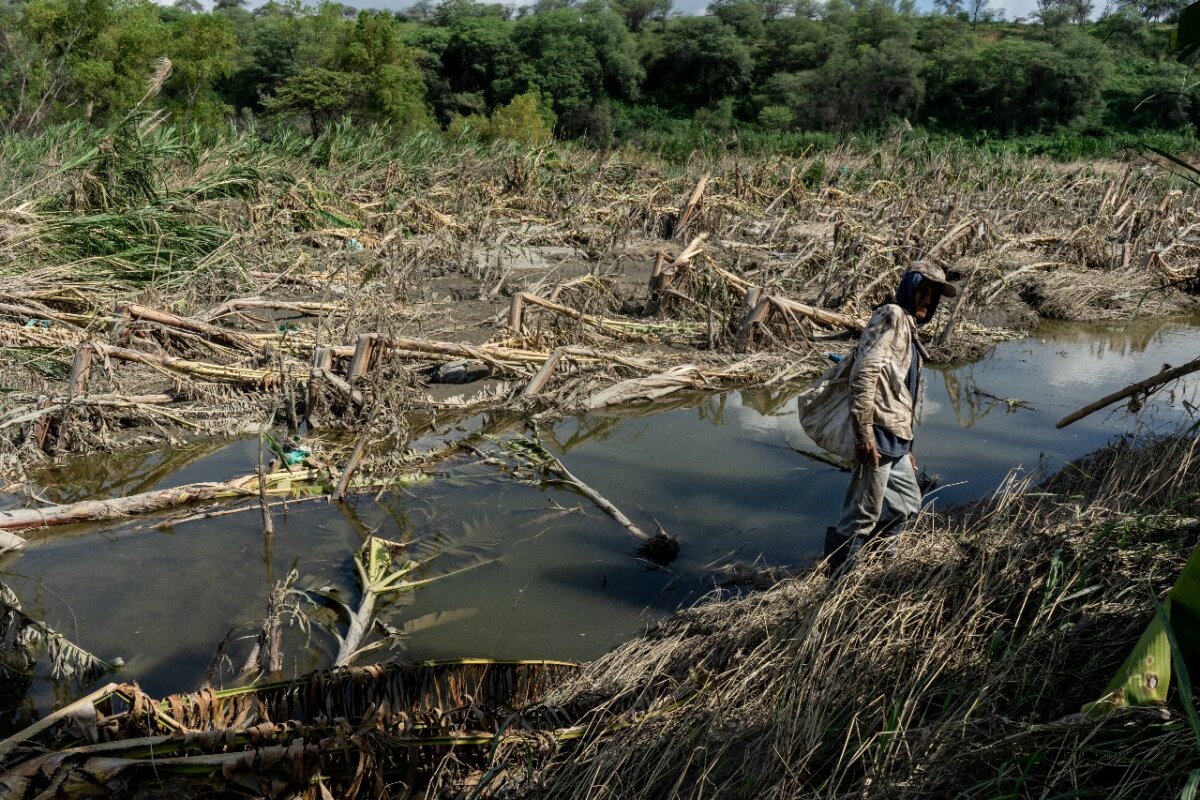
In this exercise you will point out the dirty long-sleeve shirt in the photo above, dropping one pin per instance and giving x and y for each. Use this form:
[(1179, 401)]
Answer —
[(878, 394)]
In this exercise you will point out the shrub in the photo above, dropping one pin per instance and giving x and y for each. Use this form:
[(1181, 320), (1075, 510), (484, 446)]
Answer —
[(526, 119)]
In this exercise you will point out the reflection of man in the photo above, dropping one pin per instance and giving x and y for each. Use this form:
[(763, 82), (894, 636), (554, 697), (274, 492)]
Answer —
[(884, 383)]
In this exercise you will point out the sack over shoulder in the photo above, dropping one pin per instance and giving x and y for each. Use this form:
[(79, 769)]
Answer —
[(825, 410)]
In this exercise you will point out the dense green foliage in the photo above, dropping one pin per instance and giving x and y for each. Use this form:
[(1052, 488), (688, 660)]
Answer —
[(762, 73)]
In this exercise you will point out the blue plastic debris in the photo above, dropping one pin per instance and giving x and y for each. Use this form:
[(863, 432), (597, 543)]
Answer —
[(834, 357)]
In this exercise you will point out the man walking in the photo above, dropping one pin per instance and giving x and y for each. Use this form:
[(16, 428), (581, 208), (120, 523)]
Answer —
[(884, 384)]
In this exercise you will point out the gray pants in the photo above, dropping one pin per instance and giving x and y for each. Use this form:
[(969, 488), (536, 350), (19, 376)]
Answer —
[(878, 499)]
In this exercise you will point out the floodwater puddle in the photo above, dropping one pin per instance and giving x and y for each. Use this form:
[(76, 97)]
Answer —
[(539, 571)]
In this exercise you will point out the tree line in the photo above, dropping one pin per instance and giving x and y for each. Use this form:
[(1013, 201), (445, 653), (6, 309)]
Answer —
[(601, 70)]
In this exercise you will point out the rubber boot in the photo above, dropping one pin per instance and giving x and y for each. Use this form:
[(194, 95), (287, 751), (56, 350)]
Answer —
[(837, 548)]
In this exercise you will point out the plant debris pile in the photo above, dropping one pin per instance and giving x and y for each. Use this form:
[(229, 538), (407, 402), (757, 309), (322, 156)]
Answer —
[(152, 289)]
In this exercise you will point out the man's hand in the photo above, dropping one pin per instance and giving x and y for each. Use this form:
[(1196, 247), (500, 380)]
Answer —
[(912, 459), (867, 454)]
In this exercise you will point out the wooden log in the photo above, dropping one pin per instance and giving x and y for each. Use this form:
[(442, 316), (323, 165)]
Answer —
[(1129, 391), (542, 376), (204, 329)]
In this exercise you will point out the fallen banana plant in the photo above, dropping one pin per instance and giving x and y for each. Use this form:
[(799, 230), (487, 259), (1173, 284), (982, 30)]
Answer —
[(383, 573), (1169, 645), (297, 483), (384, 723), (21, 635)]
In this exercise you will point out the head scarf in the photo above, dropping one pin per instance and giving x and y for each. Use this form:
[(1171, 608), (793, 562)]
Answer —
[(906, 296)]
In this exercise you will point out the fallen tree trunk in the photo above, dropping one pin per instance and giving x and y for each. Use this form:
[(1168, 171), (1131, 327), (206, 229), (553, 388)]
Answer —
[(1129, 391)]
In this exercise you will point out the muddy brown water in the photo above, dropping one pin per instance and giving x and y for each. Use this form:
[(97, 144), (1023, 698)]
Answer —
[(539, 572)]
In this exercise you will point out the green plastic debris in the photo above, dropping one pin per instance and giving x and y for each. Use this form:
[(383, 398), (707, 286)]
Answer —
[(287, 328), (296, 456), (37, 323), (353, 245)]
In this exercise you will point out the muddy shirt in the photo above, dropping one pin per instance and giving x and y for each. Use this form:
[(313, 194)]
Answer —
[(887, 443), (879, 394)]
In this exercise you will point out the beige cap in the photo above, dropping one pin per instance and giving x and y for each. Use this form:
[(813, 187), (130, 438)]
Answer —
[(933, 272)]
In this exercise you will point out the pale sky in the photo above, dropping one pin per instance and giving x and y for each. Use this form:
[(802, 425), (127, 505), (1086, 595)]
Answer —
[(1011, 8)]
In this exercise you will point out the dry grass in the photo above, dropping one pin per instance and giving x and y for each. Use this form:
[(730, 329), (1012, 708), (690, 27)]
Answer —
[(955, 668)]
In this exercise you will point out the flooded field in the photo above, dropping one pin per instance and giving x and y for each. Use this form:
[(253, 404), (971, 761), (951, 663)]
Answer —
[(539, 572)]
